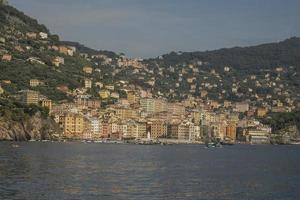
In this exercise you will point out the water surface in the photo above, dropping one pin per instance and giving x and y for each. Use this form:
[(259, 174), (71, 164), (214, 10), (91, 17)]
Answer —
[(113, 171)]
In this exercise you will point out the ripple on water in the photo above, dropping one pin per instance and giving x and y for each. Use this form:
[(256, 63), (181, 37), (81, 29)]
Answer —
[(106, 171)]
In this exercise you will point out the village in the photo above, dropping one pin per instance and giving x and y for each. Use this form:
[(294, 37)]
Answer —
[(111, 104)]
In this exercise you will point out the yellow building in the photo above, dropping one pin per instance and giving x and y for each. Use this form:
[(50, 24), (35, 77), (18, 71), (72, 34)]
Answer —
[(104, 94), (160, 105), (124, 113), (158, 128), (261, 112), (34, 82), (1, 90), (47, 104), (132, 97), (73, 126), (147, 105), (176, 109), (132, 130), (151, 105), (30, 97), (197, 117), (87, 69), (142, 130)]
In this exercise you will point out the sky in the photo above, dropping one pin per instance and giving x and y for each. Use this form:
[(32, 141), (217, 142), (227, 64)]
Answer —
[(149, 28)]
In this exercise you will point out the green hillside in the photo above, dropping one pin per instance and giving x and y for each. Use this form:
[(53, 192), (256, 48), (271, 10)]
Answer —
[(260, 73)]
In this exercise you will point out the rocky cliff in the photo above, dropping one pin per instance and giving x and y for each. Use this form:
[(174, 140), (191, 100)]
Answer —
[(36, 127)]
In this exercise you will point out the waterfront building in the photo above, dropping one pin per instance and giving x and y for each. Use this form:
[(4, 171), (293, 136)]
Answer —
[(105, 130), (231, 131), (186, 131), (173, 130), (132, 130), (158, 128), (123, 129), (95, 128), (73, 125), (141, 130), (256, 136)]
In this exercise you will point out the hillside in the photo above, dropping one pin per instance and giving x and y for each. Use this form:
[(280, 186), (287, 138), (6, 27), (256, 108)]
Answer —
[(266, 56), (32, 56), (260, 73), (234, 73)]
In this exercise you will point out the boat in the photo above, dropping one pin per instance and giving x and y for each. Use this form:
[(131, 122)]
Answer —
[(227, 143), (15, 145), (213, 145)]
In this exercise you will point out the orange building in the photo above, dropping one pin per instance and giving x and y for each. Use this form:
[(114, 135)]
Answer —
[(231, 131)]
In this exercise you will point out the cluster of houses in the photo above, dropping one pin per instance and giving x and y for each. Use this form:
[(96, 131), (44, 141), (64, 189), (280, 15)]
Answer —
[(140, 117)]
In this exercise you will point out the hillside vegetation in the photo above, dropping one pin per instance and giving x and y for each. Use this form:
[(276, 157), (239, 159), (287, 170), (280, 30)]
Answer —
[(262, 73)]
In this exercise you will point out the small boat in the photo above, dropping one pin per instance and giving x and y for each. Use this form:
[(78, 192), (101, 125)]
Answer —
[(227, 143), (15, 145), (213, 145)]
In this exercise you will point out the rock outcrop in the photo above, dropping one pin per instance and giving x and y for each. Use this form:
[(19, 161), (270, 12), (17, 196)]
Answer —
[(35, 127), (288, 135)]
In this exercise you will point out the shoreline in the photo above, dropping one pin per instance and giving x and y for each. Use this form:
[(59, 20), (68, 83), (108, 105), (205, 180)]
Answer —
[(142, 142)]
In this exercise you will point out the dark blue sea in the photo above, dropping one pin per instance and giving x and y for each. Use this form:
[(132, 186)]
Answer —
[(50, 170)]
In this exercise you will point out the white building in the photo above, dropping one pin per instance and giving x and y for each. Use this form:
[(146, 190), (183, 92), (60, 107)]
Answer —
[(43, 35), (87, 83)]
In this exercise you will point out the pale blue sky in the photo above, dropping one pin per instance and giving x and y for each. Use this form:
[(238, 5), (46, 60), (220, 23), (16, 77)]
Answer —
[(148, 28)]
